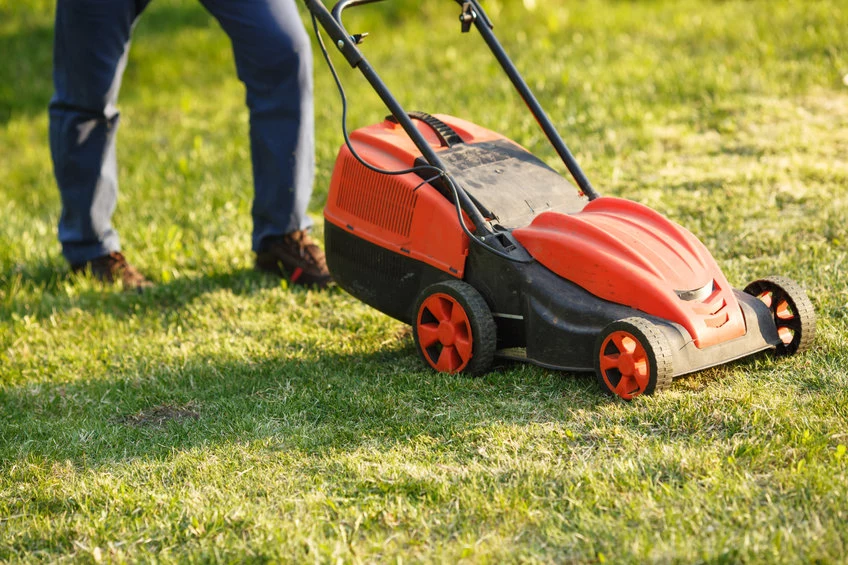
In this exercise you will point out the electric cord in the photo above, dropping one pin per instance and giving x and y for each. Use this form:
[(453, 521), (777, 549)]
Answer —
[(440, 173), (343, 95)]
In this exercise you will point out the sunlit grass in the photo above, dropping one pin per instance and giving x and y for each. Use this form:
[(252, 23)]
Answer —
[(224, 416)]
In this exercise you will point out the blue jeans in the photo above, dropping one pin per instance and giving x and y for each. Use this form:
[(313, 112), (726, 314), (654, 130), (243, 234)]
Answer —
[(274, 61)]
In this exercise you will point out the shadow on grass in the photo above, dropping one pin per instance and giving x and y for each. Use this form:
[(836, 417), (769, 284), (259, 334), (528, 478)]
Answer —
[(311, 402), (316, 401), (45, 274), (49, 276), (706, 185), (26, 82), (302, 399)]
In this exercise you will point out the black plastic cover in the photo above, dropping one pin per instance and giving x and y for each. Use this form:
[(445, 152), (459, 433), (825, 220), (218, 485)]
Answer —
[(509, 182)]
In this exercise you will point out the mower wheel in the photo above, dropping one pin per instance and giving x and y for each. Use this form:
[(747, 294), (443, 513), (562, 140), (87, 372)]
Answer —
[(794, 316), (633, 357), (453, 328)]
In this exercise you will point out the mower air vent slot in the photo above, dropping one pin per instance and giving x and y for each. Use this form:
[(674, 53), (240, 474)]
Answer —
[(379, 199), (717, 321), (505, 241)]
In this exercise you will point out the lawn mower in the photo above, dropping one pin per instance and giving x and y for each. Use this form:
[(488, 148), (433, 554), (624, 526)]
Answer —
[(488, 252)]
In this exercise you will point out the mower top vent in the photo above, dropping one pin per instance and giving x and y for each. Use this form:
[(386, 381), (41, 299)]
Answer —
[(382, 200), (507, 182), (444, 132)]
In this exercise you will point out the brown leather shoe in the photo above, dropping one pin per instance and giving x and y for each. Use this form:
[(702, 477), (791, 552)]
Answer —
[(112, 268), (296, 257)]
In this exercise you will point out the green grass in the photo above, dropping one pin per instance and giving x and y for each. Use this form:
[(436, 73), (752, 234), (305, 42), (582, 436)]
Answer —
[(224, 416)]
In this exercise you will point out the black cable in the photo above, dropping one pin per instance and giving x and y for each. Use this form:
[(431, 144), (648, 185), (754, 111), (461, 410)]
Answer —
[(440, 173), (343, 96)]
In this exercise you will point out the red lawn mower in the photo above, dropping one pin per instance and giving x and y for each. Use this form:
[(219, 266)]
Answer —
[(488, 252)]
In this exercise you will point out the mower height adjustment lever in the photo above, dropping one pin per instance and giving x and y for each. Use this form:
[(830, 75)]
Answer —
[(471, 10), (467, 16)]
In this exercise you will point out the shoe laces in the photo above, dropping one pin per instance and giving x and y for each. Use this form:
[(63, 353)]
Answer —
[(306, 246)]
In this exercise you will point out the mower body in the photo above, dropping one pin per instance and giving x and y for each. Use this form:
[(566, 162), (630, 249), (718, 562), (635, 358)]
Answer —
[(486, 251), (577, 265)]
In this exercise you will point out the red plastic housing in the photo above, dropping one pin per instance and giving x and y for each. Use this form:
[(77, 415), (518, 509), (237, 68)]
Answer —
[(626, 253), (616, 249), (400, 213)]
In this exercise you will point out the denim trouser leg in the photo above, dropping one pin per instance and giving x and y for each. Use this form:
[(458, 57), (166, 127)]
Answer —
[(90, 54), (274, 60)]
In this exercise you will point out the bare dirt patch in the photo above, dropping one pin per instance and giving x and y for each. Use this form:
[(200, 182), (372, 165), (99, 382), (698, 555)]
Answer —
[(158, 416)]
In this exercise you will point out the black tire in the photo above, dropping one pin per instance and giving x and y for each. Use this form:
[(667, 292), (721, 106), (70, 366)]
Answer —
[(792, 312), (454, 330), (648, 366)]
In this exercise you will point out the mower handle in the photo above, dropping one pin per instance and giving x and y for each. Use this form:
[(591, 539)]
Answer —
[(342, 5), (472, 13), (347, 46)]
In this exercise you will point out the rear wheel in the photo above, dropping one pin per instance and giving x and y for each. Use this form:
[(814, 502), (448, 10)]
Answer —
[(453, 329), (793, 313), (633, 357)]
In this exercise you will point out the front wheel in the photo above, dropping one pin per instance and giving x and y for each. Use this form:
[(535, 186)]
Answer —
[(633, 357), (454, 330), (792, 311)]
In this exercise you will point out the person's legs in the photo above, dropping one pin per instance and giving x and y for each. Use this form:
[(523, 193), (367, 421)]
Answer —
[(90, 54), (274, 60)]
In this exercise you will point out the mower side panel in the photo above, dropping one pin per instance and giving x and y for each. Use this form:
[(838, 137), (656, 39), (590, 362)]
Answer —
[(501, 283), (562, 329), (395, 212), (563, 320), (383, 279), (568, 343), (540, 317), (546, 320)]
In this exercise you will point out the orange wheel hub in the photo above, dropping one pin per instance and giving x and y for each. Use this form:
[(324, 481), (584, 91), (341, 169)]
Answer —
[(444, 333), (784, 317), (625, 365)]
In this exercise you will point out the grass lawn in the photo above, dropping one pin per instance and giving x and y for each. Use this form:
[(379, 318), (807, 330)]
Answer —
[(224, 416)]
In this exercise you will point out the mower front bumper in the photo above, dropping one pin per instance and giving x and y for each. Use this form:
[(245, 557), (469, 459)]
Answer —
[(562, 321), (761, 334)]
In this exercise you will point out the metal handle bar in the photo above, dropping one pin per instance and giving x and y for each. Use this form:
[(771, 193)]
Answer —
[(343, 5)]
